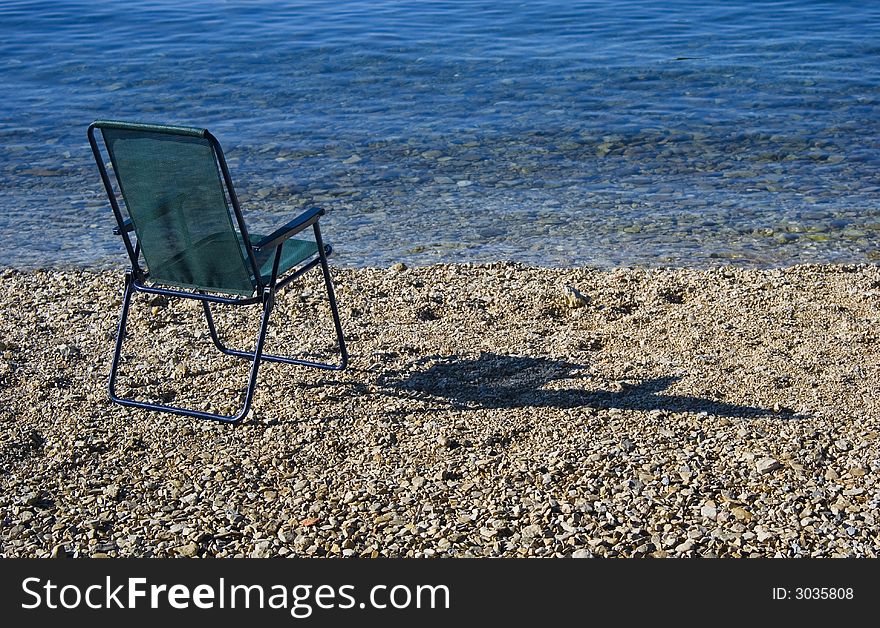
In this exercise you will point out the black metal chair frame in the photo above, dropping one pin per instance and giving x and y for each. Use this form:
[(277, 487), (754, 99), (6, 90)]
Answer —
[(136, 277)]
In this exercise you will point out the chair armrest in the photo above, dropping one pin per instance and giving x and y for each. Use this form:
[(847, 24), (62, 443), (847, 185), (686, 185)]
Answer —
[(306, 219), (126, 224)]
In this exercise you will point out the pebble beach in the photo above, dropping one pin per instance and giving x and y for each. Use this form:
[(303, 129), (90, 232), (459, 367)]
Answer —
[(488, 410)]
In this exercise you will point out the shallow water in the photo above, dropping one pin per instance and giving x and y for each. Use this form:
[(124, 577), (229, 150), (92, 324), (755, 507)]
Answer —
[(548, 132)]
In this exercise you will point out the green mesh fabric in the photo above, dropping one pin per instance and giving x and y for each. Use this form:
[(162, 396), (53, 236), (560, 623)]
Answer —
[(293, 252), (175, 198)]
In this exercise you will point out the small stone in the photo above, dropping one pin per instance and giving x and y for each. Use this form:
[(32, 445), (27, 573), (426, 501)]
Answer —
[(768, 465), (190, 499), (399, 267), (573, 298), (189, 550), (764, 535), (839, 506), (842, 445), (603, 149), (59, 552), (582, 553), (447, 442), (287, 535), (741, 513), (710, 511), (858, 472), (831, 475), (67, 351), (31, 499), (685, 547), (261, 550)]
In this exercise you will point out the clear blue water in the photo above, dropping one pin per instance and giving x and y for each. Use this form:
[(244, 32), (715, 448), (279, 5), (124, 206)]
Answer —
[(549, 132)]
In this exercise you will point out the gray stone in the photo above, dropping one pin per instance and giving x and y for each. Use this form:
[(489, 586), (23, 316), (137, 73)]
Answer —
[(573, 298), (685, 547), (768, 465)]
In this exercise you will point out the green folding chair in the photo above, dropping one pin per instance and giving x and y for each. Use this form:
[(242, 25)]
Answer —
[(191, 239)]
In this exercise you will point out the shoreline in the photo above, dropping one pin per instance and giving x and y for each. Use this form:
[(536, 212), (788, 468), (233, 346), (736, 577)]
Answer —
[(489, 410)]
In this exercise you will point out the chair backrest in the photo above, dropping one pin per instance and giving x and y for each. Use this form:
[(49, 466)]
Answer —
[(170, 180)]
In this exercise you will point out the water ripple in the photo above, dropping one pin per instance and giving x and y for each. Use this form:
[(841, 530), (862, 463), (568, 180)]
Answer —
[(549, 132)]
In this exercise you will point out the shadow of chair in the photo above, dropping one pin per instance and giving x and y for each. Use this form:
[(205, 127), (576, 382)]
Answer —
[(503, 381)]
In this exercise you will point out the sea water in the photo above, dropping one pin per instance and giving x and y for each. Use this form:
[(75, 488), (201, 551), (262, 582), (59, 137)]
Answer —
[(548, 132)]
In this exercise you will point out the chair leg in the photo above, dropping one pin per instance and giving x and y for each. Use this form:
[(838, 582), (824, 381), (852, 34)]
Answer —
[(268, 357), (331, 296), (268, 304)]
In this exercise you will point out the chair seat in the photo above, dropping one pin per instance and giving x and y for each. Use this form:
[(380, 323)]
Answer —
[(175, 272), (293, 253)]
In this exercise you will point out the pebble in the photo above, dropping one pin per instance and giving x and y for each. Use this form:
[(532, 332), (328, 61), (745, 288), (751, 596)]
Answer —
[(189, 550), (447, 442), (764, 535), (768, 465), (685, 547), (508, 426), (573, 298), (741, 513)]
